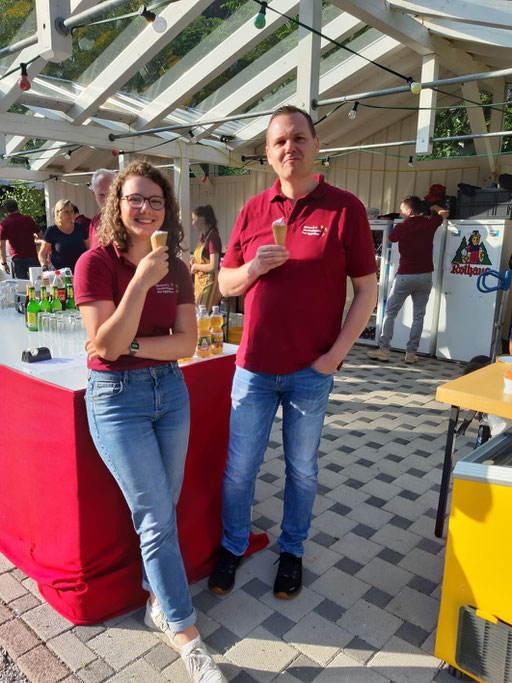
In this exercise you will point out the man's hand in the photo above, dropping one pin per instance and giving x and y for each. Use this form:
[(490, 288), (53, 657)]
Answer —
[(444, 214), (5, 267), (325, 364), (268, 257)]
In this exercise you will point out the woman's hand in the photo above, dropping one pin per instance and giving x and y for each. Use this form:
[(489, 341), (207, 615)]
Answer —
[(91, 350), (194, 268), (153, 267)]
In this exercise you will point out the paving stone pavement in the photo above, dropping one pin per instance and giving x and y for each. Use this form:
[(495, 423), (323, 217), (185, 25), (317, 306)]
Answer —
[(372, 569)]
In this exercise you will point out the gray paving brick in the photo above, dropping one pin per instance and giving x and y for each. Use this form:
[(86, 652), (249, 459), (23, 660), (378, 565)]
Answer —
[(95, 672), (122, 645), (10, 587), (372, 624), (401, 540), (262, 663), (345, 668), (385, 576), (46, 622), (71, 651), (317, 638), (239, 612), (339, 587), (416, 608), (404, 663), (16, 638)]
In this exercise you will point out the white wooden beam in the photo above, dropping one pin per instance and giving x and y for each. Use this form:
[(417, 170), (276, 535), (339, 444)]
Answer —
[(266, 77), (411, 33), (308, 63), (182, 193), (97, 136), (477, 124), (427, 100), (131, 56), (491, 13), (498, 37), (211, 65), (379, 48)]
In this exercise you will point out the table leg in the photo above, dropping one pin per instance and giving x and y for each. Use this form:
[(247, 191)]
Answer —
[(447, 469)]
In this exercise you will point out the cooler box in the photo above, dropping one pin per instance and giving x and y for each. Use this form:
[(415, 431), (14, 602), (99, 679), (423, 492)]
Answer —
[(474, 632)]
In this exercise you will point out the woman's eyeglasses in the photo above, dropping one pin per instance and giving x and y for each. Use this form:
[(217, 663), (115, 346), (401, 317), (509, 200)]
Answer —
[(136, 201)]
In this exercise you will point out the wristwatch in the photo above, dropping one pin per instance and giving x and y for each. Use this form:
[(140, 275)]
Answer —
[(134, 347), (4, 263)]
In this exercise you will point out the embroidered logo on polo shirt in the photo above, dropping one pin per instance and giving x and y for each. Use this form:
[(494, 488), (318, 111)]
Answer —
[(314, 231), (167, 288)]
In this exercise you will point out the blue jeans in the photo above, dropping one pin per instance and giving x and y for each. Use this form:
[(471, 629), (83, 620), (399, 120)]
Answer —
[(255, 398), (139, 421), (418, 286)]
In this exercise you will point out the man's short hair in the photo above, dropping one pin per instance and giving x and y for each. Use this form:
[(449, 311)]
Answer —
[(10, 205), (291, 109), (413, 202), (101, 172)]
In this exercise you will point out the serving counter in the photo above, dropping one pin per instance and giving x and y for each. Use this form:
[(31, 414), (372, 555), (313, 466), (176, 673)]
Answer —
[(63, 520)]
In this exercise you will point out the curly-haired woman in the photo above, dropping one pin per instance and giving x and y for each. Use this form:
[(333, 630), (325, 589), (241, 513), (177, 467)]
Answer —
[(137, 402)]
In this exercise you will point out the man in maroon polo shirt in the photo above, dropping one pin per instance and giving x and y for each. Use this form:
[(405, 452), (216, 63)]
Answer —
[(19, 230), (100, 185), (415, 237), (293, 338)]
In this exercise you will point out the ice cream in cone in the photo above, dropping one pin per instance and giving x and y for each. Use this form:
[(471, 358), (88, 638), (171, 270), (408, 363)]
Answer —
[(158, 239), (279, 229)]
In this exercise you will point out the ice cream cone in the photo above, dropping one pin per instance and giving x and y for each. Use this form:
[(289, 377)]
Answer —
[(279, 229), (158, 239)]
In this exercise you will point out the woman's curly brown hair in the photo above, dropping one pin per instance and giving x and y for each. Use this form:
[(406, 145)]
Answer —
[(112, 230)]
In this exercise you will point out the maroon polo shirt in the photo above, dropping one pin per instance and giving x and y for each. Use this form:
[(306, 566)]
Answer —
[(415, 237), (293, 313), (103, 274), (93, 229), (19, 230)]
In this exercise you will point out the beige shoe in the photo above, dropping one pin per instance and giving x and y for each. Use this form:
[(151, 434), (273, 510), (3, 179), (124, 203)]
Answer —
[(200, 664), (156, 621), (379, 354), (411, 357)]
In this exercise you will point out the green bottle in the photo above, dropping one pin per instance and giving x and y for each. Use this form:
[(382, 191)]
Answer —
[(32, 310), (70, 298), (56, 304), (44, 304)]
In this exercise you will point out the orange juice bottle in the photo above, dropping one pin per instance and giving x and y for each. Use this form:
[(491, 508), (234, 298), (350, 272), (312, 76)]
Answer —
[(217, 335), (203, 328)]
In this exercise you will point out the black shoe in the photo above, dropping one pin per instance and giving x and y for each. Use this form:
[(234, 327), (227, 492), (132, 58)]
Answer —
[(222, 578), (288, 583)]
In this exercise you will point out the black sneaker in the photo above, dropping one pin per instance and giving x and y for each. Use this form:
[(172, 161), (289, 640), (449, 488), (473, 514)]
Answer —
[(288, 583), (222, 578)]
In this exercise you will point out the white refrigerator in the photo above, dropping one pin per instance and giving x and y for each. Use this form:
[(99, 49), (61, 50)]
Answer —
[(403, 320), (469, 320), (380, 230)]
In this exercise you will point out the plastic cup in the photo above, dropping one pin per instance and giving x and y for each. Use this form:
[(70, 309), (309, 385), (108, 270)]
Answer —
[(158, 239)]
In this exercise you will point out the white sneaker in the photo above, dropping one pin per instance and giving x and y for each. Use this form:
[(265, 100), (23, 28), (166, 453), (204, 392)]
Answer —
[(199, 663), (156, 621), (379, 354)]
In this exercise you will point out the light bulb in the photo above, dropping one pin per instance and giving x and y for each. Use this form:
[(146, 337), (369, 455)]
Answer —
[(159, 25), (67, 155), (260, 20), (326, 162), (204, 179), (416, 88), (27, 165), (85, 43), (410, 164), (115, 152), (353, 112), (24, 83)]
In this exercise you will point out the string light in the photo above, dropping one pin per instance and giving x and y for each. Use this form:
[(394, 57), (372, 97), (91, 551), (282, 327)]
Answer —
[(158, 23), (67, 155), (411, 162), (353, 112), (261, 162), (414, 85), (326, 162), (193, 138), (260, 19), (24, 83), (27, 164)]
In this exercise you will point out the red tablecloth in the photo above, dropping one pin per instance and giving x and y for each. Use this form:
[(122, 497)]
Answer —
[(63, 520)]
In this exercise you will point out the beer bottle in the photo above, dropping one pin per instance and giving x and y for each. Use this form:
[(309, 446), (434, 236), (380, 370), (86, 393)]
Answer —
[(32, 310), (56, 304), (70, 298), (44, 304)]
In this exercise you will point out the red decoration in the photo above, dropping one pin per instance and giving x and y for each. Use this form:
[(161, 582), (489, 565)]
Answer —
[(115, 152), (24, 83)]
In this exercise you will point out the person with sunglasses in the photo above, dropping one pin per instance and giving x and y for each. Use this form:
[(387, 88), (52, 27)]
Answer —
[(130, 296)]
